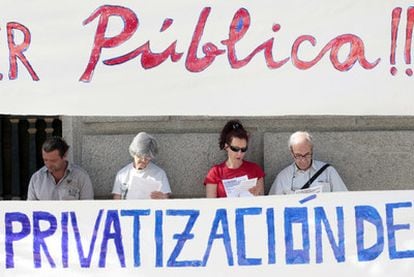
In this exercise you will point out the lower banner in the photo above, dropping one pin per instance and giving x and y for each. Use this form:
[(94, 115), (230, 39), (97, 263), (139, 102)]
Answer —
[(346, 234)]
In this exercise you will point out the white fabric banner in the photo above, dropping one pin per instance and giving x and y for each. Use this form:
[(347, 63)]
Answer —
[(345, 234), (201, 57)]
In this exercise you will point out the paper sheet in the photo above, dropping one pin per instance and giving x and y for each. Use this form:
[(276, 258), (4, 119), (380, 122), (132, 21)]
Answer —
[(314, 189), (141, 188), (239, 187)]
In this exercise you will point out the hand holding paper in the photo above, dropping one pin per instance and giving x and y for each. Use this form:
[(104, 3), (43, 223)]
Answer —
[(239, 187), (243, 189), (142, 188)]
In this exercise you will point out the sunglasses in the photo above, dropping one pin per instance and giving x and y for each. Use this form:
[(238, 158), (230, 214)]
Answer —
[(237, 149)]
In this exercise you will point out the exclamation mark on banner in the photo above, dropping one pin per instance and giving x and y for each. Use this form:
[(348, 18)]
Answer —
[(408, 39), (396, 15)]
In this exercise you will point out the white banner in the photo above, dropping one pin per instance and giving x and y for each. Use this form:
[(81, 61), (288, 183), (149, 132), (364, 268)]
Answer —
[(201, 57), (345, 234)]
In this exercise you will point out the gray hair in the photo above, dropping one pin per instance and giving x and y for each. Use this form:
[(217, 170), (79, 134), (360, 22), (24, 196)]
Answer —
[(143, 144), (299, 137)]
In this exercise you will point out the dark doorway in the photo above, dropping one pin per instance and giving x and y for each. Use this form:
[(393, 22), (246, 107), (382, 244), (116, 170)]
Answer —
[(21, 138)]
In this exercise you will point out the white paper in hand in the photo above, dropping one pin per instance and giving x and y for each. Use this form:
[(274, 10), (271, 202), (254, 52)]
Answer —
[(313, 189), (243, 188), (239, 187), (230, 185), (141, 188)]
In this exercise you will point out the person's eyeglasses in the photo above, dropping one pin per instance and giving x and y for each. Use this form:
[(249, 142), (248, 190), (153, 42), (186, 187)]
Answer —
[(237, 149), (302, 157), (143, 158)]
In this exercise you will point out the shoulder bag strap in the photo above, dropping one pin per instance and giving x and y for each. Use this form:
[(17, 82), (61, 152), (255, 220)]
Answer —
[(316, 175)]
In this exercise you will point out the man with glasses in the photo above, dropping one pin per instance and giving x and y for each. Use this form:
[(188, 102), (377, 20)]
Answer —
[(306, 175)]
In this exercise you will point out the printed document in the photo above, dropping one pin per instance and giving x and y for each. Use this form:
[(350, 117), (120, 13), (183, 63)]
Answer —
[(239, 187)]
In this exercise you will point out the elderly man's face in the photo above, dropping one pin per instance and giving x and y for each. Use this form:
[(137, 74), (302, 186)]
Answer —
[(302, 155)]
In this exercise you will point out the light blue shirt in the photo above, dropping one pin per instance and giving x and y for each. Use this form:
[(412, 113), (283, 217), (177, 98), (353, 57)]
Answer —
[(75, 185), (292, 178)]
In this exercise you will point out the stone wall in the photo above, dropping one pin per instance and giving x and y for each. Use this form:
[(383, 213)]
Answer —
[(370, 152)]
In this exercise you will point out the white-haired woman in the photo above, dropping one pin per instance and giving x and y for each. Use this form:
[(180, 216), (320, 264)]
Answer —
[(142, 178)]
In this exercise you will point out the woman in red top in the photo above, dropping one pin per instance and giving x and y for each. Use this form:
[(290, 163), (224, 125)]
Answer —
[(234, 140)]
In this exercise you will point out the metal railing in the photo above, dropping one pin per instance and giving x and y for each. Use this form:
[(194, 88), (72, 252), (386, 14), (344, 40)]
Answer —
[(21, 138)]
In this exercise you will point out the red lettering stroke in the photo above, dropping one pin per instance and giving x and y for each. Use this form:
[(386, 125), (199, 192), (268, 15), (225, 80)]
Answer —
[(16, 50), (194, 62)]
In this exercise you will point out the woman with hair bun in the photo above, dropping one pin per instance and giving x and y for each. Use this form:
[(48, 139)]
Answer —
[(234, 140)]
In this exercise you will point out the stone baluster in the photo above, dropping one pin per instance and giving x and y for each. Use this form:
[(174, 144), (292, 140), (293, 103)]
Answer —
[(49, 127), (32, 145), (15, 164)]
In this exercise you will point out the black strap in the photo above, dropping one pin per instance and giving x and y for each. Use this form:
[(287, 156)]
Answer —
[(316, 175)]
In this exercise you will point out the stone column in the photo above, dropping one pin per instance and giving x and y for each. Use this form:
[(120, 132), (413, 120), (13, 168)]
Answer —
[(15, 165), (32, 145), (49, 127)]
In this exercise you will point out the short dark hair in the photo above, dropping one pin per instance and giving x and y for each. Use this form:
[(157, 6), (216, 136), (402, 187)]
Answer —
[(55, 143), (232, 129)]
